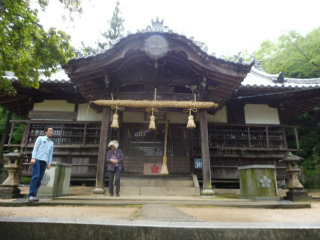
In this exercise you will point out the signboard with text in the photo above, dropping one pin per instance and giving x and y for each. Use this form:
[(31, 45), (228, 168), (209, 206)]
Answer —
[(198, 163)]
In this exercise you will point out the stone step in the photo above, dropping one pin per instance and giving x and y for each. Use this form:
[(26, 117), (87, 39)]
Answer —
[(156, 182), (160, 185), (158, 191)]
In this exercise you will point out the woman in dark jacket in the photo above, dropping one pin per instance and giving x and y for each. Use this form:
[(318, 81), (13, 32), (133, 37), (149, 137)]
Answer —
[(115, 166)]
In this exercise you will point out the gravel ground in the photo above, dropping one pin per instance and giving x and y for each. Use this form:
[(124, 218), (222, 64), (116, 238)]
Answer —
[(207, 214)]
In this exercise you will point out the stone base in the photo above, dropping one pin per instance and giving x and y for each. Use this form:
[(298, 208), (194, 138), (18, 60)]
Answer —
[(207, 192), (51, 195), (98, 191), (10, 192), (261, 198), (297, 195), (56, 181)]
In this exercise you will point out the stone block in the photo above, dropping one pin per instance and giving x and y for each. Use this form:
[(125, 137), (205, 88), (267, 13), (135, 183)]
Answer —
[(258, 182), (10, 192), (56, 181)]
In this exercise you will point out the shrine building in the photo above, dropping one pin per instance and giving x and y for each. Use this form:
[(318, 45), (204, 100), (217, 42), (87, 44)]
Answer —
[(175, 110)]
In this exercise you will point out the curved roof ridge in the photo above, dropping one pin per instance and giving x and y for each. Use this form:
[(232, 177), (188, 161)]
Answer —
[(303, 80), (258, 78), (160, 29), (263, 74)]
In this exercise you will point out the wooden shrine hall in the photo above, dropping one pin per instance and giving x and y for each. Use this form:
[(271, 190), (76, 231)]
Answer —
[(175, 110)]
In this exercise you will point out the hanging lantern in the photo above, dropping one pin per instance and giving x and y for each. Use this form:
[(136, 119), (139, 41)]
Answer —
[(191, 124), (115, 117), (115, 123), (152, 125)]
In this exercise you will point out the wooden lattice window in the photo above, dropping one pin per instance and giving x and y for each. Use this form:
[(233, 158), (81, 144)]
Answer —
[(140, 141), (178, 142)]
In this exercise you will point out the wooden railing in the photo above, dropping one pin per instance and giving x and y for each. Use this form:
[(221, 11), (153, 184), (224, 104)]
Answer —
[(247, 140)]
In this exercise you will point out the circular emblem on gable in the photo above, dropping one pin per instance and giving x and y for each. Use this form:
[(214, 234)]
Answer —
[(156, 46)]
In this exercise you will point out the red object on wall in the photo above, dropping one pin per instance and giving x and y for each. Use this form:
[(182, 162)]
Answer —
[(152, 169)]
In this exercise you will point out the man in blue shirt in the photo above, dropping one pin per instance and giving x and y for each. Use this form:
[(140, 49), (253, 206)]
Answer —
[(40, 161)]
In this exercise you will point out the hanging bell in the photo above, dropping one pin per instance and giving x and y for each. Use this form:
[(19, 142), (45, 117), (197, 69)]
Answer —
[(152, 125), (115, 123), (191, 124)]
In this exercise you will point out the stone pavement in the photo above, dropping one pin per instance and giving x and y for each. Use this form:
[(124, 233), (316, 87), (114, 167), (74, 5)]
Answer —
[(158, 217), (102, 200), (164, 213)]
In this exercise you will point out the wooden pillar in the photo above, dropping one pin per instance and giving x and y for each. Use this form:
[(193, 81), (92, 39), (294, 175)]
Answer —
[(102, 151), (205, 154)]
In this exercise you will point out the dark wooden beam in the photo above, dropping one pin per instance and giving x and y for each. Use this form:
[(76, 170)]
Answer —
[(205, 154), (102, 151), (150, 96), (52, 115)]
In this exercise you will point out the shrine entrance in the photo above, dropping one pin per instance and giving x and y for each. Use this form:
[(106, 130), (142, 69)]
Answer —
[(142, 146)]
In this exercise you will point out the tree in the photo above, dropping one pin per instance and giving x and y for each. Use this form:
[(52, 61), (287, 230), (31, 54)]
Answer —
[(72, 6), (116, 28), (309, 140), (25, 47), (297, 56)]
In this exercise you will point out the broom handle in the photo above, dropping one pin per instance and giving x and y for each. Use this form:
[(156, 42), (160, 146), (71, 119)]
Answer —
[(165, 138)]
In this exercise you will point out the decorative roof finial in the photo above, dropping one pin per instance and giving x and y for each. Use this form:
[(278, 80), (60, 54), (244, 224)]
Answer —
[(156, 25), (279, 78)]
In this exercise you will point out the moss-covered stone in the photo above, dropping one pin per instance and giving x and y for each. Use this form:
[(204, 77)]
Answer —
[(258, 182)]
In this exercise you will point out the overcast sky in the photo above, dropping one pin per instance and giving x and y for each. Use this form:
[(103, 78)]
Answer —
[(225, 26)]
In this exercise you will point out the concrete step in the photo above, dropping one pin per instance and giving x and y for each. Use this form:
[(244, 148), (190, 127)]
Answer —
[(156, 182), (158, 191), (160, 185)]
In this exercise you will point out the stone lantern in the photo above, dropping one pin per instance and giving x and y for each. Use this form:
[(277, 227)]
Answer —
[(12, 162), (296, 190)]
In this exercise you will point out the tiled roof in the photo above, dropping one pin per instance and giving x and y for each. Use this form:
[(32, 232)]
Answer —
[(158, 28), (255, 79), (59, 77), (259, 79)]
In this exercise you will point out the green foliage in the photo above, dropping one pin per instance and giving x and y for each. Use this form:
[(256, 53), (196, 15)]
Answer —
[(115, 29), (297, 56), (70, 5), (18, 132), (25, 47), (17, 137), (18, 129), (312, 172), (25, 180), (3, 118), (309, 141)]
